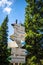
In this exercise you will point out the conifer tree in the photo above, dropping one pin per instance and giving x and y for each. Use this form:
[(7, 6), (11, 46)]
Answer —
[(4, 52), (34, 28)]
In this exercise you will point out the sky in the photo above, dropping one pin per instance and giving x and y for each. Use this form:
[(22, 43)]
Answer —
[(15, 9)]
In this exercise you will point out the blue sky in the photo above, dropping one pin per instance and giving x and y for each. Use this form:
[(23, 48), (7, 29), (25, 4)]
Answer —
[(15, 10)]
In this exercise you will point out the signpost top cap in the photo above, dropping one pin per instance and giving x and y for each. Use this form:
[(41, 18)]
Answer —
[(14, 23)]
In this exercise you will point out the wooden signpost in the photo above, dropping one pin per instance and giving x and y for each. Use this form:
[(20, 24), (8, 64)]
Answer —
[(19, 51), (19, 33), (18, 38), (18, 54), (17, 41), (17, 59)]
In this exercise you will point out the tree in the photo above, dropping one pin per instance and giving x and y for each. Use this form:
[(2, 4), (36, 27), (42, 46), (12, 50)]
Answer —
[(4, 52), (34, 28)]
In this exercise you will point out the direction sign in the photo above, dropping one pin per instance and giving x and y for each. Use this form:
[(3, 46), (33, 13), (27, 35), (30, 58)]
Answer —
[(17, 59), (19, 27), (17, 42), (19, 51), (19, 33), (12, 44), (18, 38)]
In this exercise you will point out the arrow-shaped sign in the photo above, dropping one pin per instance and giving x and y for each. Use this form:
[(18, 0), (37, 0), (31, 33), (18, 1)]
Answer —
[(17, 59), (19, 51)]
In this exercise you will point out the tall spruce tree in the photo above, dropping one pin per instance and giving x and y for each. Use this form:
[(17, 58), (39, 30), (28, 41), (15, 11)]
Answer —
[(4, 52), (34, 28)]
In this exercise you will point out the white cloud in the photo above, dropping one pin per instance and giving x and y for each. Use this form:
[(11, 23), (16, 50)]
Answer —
[(9, 3), (5, 4), (7, 9)]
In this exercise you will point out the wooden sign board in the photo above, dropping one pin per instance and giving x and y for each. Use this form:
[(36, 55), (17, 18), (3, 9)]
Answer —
[(12, 44), (18, 38), (17, 59), (19, 33), (19, 30), (19, 27), (19, 51), (17, 41)]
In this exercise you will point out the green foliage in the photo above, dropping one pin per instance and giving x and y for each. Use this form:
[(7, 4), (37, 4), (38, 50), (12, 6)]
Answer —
[(4, 52), (34, 29)]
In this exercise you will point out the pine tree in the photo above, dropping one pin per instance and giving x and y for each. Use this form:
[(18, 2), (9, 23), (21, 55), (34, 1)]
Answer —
[(4, 52), (34, 28)]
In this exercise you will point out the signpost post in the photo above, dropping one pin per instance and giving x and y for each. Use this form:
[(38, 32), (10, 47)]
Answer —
[(18, 54)]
